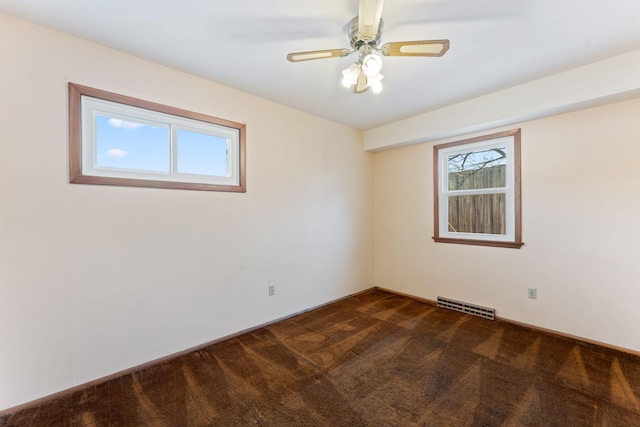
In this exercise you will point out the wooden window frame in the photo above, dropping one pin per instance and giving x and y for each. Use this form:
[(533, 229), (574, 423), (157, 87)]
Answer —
[(516, 243), (76, 175)]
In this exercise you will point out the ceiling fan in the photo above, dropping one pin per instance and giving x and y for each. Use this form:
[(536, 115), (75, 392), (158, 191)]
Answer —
[(365, 31)]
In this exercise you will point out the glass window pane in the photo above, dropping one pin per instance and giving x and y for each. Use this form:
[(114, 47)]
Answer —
[(481, 213), (478, 169), (130, 145), (201, 154)]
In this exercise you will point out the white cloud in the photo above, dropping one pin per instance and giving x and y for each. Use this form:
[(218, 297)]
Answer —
[(116, 152), (118, 123)]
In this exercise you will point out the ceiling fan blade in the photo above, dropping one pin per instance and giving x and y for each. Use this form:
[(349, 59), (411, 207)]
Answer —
[(361, 84), (416, 48), (369, 14), (317, 54)]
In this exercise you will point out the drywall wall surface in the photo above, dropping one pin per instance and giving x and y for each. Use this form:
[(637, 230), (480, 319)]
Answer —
[(97, 279), (611, 80), (581, 206)]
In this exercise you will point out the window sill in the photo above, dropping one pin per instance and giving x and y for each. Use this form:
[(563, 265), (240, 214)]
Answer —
[(126, 182), (511, 245)]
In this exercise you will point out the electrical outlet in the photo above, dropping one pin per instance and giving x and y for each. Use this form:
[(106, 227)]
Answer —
[(272, 290), (533, 293)]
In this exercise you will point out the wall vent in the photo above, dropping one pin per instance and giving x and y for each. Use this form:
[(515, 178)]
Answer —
[(465, 307)]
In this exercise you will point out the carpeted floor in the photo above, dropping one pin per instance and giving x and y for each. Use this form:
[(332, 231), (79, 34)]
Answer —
[(376, 359)]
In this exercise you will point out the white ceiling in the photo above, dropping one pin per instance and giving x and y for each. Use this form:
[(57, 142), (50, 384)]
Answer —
[(243, 44)]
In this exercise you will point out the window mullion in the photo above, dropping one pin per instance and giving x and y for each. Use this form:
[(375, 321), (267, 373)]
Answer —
[(173, 155), (478, 191)]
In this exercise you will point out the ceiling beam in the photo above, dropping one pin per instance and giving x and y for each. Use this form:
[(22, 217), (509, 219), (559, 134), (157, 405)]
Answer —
[(611, 80)]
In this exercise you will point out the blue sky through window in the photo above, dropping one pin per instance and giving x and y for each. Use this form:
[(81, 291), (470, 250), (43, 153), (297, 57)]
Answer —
[(201, 154), (130, 145)]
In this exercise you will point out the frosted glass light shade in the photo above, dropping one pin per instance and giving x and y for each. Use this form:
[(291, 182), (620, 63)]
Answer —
[(371, 65), (350, 75)]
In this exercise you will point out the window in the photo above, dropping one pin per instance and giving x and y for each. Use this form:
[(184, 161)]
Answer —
[(477, 191), (118, 140)]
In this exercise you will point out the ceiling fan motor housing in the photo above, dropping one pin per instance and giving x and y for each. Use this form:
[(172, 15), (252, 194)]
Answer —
[(355, 38)]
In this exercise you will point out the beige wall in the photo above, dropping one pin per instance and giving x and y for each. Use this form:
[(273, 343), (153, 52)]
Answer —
[(96, 279), (581, 213)]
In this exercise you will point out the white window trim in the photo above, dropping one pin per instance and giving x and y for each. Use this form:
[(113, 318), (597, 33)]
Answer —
[(512, 238), (85, 104)]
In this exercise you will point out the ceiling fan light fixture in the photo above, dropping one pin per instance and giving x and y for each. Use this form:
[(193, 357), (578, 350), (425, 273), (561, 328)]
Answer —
[(371, 65), (374, 82), (376, 86), (350, 75), (357, 74)]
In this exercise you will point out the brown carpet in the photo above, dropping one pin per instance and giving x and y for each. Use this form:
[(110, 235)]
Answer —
[(376, 359)]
